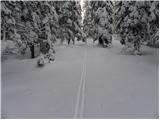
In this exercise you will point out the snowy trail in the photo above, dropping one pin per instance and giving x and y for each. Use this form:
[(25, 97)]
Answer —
[(85, 81)]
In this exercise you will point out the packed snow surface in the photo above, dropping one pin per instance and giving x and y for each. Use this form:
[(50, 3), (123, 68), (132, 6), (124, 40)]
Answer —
[(84, 81)]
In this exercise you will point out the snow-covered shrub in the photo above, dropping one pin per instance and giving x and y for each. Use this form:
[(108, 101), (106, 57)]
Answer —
[(154, 42), (8, 47), (41, 60)]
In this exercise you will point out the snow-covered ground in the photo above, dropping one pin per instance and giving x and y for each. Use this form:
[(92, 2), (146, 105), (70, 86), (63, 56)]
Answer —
[(85, 81)]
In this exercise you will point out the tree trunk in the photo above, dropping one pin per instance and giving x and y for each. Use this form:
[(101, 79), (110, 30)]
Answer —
[(32, 51), (4, 35), (100, 40), (147, 35)]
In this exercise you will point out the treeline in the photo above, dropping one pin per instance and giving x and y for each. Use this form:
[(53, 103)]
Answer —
[(29, 23)]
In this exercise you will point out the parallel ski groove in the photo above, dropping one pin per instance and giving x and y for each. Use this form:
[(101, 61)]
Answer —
[(79, 109)]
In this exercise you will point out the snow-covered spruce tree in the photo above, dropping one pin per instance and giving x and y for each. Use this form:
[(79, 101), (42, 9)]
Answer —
[(88, 20), (133, 19), (44, 24), (7, 20), (28, 20), (99, 20), (69, 20), (10, 16)]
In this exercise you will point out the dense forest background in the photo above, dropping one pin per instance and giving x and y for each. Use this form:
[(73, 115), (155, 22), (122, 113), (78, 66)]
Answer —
[(32, 23)]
